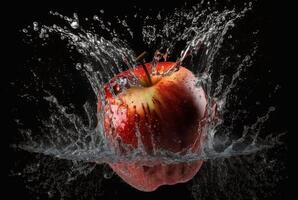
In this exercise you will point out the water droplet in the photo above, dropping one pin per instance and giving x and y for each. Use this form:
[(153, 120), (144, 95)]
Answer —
[(158, 16), (75, 15), (74, 38), (124, 23), (102, 11), (75, 24), (271, 108), (88, 67), (123, 82), (95, 17), (50, 194), (78, 66), (35, 26), (42, 33)]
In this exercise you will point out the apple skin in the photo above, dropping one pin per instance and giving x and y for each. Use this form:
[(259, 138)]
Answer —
[(168, 115)]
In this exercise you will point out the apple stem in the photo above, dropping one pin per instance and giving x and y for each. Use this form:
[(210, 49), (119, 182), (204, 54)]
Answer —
[(141, 56), (140, 59), (147, 74)]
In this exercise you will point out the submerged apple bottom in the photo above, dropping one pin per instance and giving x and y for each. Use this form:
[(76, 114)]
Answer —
[(170, 115), (149, 178)]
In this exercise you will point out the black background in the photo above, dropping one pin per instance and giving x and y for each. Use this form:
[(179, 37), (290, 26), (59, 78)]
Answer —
[(25, 14)]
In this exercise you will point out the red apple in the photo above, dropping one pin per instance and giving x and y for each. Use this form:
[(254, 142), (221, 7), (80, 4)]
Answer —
[(165, 113)]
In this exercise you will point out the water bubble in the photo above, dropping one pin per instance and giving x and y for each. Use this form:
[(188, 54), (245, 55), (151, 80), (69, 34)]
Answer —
[(101, 11), (25, 30)]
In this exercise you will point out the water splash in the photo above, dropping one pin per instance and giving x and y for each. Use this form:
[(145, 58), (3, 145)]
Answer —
[(202, 32), (67, 136)]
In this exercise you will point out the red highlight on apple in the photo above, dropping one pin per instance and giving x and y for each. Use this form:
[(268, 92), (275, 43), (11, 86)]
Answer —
[(167, 112)]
